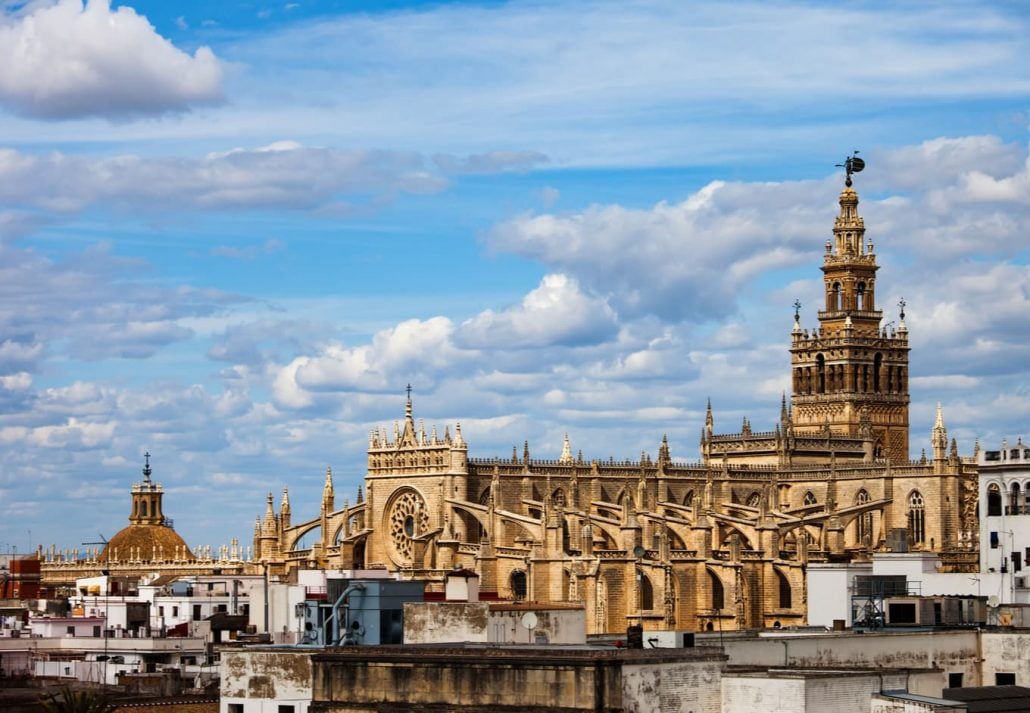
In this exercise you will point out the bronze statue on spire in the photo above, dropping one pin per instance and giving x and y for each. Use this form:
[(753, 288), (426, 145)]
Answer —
[(852, 164)]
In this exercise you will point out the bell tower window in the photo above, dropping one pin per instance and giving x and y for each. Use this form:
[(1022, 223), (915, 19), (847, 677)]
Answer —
[(820, 374), (835, 297), (860, 297)]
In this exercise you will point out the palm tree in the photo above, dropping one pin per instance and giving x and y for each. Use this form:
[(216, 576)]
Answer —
[(69, 701)]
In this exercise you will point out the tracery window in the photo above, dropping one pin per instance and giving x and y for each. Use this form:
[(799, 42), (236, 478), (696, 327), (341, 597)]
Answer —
[(810, 498), (917, 517)]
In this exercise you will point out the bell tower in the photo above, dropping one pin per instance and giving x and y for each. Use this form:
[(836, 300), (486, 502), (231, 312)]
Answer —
[(850, 373), (146, 500)]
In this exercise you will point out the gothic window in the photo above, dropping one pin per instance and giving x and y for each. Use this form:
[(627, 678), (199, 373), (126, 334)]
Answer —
[(820, 374), (865, 520), (718, 594), (753, 499), (993, 500), (877, 365), (518, 584), (785, 590), (646, 592), (688, 499), (810, 498), (558, 498), (917, 517)]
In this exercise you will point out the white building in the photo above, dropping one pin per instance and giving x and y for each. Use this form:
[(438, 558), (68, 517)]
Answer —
[(1005, 520)]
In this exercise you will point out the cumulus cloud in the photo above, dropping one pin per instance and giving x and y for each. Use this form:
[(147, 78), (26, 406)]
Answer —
[(555, 313), (681, 261), (68, 60)]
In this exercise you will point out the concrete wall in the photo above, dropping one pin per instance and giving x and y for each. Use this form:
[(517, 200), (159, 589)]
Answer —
[(1006, 652), (261, 680), (672, 687), (517, 679), (445, 622), (949, 651), (829, 591), (786, 692), (553, 626)]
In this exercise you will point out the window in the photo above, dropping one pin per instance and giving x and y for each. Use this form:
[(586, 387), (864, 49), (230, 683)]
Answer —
[(175, 611), (954, 680), (785, 591), (235, 708), (864, 521), (646, 593), (160, 611), (993, 500), (518, 584), (70, 631), (96, 632), (196, 612), (1004, 679), (916, 517), (285, 709), (809, 498), (718, 594)]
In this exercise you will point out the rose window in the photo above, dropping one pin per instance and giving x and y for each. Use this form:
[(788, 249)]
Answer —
[(407, 519)]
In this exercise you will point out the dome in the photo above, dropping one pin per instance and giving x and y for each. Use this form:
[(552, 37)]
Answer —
[(148, 542)]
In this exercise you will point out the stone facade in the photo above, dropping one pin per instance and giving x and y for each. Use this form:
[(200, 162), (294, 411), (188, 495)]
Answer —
[(720, 544)]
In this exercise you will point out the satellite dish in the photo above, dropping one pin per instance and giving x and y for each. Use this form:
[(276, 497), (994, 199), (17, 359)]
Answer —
[(992, 601), (639, 552), (529, 620)]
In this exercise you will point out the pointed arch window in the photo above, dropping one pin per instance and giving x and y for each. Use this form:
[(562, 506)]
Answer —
[(718, 593), (688, 499), (835, 305), (877, 366), (820, 374), (865, 520), (753, 499), (786, 592), (810, 498), (646, 592), (917, 517), (860, 296)]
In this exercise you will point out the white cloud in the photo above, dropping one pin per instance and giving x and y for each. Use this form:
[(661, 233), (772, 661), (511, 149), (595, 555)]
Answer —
[(284, 175), (555, 313), (69, 60)]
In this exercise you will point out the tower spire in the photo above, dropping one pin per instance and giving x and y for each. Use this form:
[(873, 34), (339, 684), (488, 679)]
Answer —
[(850, 363)]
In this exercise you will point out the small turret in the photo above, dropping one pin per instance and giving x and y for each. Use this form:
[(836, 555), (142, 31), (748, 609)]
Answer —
[(566, 452)]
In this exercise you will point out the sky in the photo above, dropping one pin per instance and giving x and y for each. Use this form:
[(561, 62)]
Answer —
[(232, 233)]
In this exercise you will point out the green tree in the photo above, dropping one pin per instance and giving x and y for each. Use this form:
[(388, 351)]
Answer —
[(68, 701)]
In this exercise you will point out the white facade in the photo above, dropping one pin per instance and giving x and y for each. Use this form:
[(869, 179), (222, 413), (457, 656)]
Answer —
[(1005, 520)]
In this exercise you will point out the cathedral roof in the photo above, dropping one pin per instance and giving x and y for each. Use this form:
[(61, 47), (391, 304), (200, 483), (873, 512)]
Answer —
[(146, 542)]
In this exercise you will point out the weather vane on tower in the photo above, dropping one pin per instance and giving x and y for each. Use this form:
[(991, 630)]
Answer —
[(852, 164)]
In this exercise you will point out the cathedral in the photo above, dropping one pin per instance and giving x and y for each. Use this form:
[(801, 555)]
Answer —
[(721, 544)]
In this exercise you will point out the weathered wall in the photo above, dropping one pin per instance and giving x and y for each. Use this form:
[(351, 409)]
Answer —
[(261, 679), (445, 622), (672, 687), (1006, 652), (480, 679), (950, 651)]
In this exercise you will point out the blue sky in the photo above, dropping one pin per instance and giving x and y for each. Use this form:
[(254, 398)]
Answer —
[(230, 233)]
